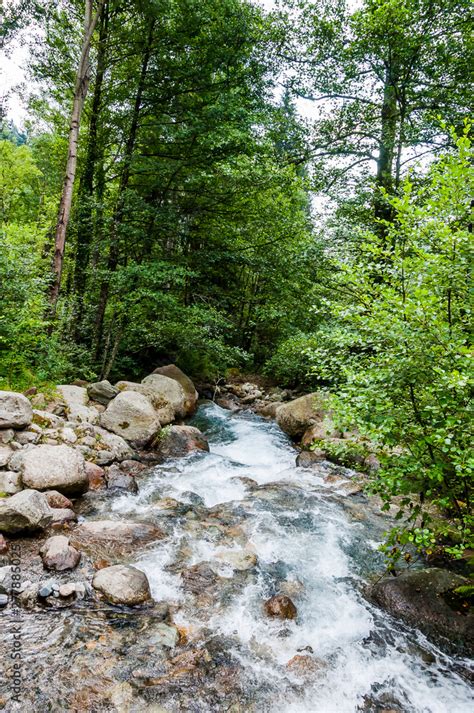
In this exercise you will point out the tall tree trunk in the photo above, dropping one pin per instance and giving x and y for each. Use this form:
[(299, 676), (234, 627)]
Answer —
[(388, 134), (85, 227), (80, 93), (120, 204)]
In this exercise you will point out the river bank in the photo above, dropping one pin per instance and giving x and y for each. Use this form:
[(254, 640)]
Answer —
[(218, 534)]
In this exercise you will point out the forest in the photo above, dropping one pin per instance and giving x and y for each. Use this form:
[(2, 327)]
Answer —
[(168, 200)]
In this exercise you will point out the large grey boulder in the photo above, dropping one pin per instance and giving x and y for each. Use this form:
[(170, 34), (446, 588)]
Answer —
[(54, 468), (76, 400), (24, 512), (426, 599), (165, 412), (15, 410), (167, 391), (132, 416), (179, 441), (58, 555), (122, 584), (295, 417), (174, 372), (102, 392)]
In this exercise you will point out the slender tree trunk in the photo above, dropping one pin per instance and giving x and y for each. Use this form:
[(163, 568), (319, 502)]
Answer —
[(80, 93), (85, 226), (388, 134), (120, 204)]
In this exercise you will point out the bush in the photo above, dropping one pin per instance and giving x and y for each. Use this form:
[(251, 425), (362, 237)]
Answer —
[(408, 387)]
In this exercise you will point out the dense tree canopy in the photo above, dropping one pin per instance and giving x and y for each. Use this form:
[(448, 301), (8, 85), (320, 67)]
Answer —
[(160, 206)]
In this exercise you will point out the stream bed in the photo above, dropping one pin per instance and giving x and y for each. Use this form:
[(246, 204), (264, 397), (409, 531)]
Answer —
[(240, 524)]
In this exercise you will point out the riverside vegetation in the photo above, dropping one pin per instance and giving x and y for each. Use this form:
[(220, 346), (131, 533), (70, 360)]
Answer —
[(158, 209)]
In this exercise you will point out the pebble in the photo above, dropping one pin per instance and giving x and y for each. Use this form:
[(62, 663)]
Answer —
[(3, 600)]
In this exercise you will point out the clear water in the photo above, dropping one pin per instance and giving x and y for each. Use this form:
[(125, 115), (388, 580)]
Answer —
[(309, 541)]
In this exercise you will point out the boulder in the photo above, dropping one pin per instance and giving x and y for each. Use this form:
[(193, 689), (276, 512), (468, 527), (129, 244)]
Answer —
[(163, 635), (45, 419), (15, 410), (122, 584), (268, 410), (320, 431), (167, 392), (308, 459), (280, 607), (58, 555), (3, 545), (95, 475), (165, 412), (118, 480), (10, 482), (306, 666), (174, 372), (425, 599), (133, 467), (6, 579), (239, 560), (179, 441), (76, 400), (102, 392), (108, 537), (62, 516), (57, 500), (132, 416), (6, 435), (25, 437), (24, 512), (110, 447), (54, 468), (6, 453), (295, 417)]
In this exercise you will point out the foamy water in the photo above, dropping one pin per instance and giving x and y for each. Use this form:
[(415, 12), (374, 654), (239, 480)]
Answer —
[(305, 539)]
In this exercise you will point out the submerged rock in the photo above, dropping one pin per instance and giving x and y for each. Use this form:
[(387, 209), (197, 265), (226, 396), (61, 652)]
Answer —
[(59, 468), (15, 410), (110, 537), (306, 666), (58, 555), (424, 599), (122, 584), (280, 606), (24, 512)]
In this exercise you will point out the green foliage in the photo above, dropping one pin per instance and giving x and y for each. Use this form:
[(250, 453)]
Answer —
[(291, 364), (406, 365)]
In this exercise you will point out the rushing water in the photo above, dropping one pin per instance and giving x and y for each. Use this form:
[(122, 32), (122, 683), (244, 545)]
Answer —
[(246, 497)]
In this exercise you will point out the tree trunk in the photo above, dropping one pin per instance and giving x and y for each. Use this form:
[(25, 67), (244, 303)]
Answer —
[(80, 93), (384, 177), (85, 227), (119, 207)]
